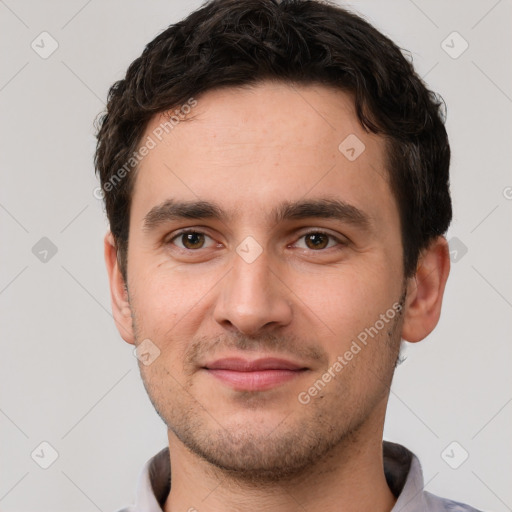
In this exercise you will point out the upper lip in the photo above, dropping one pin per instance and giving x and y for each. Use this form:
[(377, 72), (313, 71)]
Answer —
[(244, 365)]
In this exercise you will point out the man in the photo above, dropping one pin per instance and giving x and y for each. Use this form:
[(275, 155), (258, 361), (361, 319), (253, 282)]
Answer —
[(276, 180)]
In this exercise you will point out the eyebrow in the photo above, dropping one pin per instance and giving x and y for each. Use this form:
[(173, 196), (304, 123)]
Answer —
[(322, 208)]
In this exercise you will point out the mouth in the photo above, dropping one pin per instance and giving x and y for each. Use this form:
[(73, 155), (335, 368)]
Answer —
[(256, 375)]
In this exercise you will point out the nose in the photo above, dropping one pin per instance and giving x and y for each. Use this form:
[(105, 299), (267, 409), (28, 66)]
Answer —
[(252, 298)]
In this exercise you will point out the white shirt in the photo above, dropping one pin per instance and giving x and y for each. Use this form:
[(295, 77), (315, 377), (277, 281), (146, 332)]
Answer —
[(401, 467)]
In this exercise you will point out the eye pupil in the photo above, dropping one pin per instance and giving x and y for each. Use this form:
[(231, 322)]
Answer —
[(315, 239), (193, 240)]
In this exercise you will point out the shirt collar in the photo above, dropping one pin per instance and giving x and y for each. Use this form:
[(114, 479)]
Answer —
[(154, 483)]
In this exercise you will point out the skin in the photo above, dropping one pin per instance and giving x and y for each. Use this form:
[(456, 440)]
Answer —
[(248, 149)]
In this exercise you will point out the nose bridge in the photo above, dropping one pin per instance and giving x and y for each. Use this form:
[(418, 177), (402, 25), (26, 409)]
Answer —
[(252, 297), (252, 278)]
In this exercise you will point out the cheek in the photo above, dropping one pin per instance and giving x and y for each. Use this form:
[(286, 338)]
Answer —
[(168, 307), (166, 295), (345, 300)]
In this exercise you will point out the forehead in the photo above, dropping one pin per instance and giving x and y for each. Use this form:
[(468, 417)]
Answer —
[(254, 147)]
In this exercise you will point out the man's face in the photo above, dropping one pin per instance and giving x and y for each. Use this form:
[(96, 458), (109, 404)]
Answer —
[(300, 286)]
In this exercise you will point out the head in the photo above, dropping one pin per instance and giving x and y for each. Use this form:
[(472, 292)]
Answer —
[(309, 164)]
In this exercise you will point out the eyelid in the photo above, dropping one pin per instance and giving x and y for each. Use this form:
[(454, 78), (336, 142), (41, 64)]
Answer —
[(340, 239), (323, 231)]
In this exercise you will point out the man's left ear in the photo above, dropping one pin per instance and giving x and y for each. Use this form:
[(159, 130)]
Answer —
[(425, 291)]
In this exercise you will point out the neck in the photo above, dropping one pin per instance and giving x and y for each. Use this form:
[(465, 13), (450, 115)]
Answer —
[(350, 478)]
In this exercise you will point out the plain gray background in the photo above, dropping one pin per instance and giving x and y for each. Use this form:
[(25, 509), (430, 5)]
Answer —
[(66, 376)]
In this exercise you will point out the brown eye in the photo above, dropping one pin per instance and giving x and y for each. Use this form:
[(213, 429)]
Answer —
[(317, 240), (190, 240)]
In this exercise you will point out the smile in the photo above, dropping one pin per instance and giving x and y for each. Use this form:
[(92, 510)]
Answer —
[(258, 375)]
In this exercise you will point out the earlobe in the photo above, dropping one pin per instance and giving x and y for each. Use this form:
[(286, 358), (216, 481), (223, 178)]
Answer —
[(118, 293), (425, 291)]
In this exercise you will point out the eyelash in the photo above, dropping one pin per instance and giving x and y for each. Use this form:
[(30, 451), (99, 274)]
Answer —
[(313, 232)]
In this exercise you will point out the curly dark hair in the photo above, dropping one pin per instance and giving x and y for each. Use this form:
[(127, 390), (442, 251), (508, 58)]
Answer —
[(240, 42)]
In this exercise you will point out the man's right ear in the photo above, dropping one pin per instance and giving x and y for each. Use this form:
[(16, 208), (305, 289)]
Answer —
[(118, 293)]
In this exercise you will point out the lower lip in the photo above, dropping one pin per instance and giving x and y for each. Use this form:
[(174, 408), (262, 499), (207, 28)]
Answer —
[(255, 380)]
